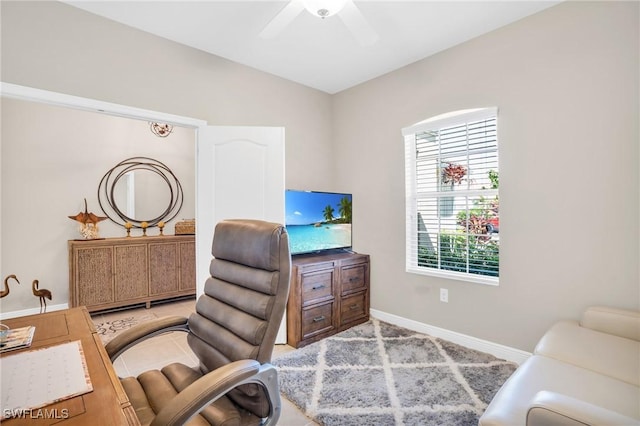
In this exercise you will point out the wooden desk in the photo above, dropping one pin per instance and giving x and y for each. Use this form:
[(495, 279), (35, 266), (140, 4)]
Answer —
[(107, 404)]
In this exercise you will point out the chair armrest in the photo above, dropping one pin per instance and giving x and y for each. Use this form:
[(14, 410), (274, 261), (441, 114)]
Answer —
[(619, 322), (550, 408), (195, 397), (144, 331)]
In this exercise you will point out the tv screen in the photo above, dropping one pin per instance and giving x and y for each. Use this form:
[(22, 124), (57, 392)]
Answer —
[(317, 221)]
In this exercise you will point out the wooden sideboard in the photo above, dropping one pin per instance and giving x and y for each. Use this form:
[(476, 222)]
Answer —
[(116, 272), (329, 293)]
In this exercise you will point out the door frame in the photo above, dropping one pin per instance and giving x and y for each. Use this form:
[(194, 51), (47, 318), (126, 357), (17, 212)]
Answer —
[(25, 93)]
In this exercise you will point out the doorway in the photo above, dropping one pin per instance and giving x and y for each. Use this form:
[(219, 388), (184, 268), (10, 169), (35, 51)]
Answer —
[(51, 165)]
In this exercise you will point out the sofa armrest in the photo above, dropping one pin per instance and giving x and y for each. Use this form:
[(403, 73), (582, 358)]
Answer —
[(550, 408), (619, 322)]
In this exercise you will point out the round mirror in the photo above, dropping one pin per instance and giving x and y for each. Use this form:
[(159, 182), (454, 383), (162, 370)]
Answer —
[(140, 189)]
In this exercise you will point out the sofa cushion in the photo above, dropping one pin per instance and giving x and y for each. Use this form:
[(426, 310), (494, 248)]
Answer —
[(511, 403), (619, 322), (603, 353)]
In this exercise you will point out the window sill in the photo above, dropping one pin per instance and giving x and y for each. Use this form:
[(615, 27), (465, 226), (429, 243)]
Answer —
[(459, 276)]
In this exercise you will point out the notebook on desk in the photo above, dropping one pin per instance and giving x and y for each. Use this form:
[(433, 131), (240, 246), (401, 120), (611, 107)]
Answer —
[(36, 378)]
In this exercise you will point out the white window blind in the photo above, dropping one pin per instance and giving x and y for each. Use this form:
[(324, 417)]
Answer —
[(452, 211)]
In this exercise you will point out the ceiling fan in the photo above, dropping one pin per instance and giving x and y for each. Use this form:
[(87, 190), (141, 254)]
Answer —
[(344, 9)]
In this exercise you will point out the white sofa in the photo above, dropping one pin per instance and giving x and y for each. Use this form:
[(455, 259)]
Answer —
[(581, 373)]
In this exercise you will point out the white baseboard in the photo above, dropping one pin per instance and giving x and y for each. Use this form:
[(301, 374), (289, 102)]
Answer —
[(504, 352), (14, 314)]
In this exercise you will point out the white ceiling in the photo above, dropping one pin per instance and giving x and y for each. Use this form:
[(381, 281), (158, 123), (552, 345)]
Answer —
[(322, 54)]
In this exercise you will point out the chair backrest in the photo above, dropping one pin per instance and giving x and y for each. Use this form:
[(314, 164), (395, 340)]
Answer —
[(244, 299)]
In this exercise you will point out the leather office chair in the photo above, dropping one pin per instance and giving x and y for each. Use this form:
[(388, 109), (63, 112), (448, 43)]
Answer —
[(232, 332)]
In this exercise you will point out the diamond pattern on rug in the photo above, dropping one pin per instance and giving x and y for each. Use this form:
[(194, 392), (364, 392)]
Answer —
[(381, 374)]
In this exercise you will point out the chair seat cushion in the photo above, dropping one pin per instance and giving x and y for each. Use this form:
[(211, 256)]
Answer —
[(152, 390), (138, 400)]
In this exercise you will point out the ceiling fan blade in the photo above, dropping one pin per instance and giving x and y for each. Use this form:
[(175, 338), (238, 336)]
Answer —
[(282, 19), (357, 24)]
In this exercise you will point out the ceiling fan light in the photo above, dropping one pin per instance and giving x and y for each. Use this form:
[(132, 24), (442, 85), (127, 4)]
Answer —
[(324, 8)]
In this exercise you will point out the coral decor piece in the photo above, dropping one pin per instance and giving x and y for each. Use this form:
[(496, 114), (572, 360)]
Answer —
[(161, 130), (88, 223)]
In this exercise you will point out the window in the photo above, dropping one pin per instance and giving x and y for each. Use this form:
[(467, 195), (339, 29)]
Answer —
[(452, 210)]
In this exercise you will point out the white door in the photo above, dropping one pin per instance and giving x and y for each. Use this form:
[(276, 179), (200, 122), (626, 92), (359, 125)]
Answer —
[(239, 175)]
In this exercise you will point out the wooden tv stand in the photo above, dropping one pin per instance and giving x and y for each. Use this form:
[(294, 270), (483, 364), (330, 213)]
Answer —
[(329, 293)]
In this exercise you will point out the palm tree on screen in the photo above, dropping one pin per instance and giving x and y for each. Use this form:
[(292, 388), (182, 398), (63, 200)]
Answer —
[(345, 209), (328, 213)]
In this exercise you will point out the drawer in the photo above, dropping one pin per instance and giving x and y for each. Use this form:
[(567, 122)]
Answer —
[(305, 268), (353, 277), (317, 286), (317, 320), (353, 307)]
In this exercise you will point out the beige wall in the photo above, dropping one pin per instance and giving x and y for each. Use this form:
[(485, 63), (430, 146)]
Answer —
[(566, 85), (52, 46)]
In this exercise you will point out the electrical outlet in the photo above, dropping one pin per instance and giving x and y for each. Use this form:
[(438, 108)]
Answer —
[(444, 295)]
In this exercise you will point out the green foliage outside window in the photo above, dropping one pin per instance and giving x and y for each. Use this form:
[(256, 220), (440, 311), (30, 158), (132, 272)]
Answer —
[(472, 243), (482, 256)]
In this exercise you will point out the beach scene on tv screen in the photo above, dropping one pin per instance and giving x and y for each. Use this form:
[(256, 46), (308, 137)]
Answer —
[(317, 221)]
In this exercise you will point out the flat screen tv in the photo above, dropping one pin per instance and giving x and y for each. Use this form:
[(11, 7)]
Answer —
[(317, 221)]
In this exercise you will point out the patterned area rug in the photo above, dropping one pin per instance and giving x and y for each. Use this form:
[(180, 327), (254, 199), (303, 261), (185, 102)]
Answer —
[(380, 374), (108, 329)]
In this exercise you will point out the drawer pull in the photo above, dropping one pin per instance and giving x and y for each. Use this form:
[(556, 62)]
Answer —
[(353, 307), (317, 287), (319, 319), (353, 279)]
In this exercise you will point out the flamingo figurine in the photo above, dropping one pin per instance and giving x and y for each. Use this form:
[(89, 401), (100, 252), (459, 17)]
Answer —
[(5, 291), (41, 293)]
